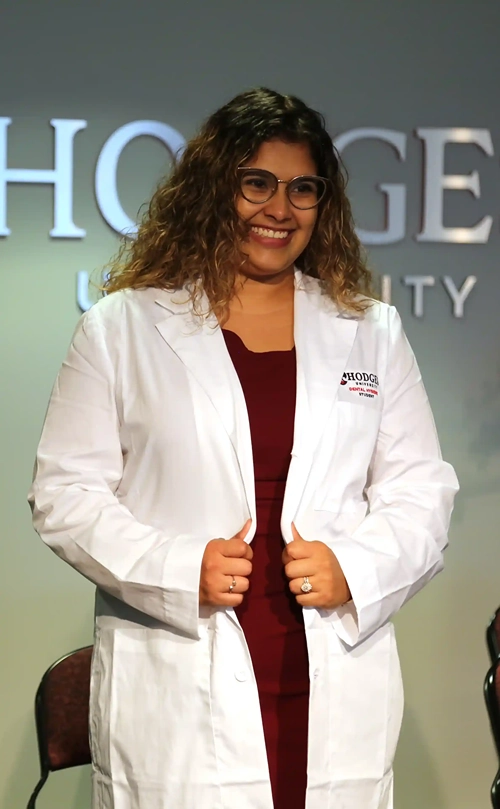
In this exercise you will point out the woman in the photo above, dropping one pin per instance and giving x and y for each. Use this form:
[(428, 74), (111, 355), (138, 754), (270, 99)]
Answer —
[(237, 388)]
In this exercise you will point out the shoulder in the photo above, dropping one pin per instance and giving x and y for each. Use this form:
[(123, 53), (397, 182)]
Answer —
[(377, 315), (116, 319), (125, 302), (125, 308)]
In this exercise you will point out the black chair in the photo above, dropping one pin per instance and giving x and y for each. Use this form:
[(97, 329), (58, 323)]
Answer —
[(492, 699), (493, 636), (62, 716)]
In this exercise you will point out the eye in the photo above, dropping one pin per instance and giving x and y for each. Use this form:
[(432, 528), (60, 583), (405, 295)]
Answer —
[(304, 188), (257, 183)]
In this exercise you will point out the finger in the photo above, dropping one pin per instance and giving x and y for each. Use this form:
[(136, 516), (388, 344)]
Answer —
[(241, 586), (215, 592), (310, 600), (317, 597), (235, 547), (229, 600), (231, 566), (298, 568), (295, 586), (249, 551), (295, 533)]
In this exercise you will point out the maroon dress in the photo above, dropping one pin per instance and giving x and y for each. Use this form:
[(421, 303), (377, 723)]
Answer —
[(269, 615)]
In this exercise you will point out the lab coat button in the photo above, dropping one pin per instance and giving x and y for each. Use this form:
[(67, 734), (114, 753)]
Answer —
[(241, 675), (316, 674)]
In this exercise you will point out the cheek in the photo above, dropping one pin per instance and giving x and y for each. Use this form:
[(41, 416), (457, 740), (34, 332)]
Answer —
[(245, 209), (307, 223)]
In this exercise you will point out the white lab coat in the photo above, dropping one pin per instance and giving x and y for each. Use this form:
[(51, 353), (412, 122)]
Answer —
[(146, 455)]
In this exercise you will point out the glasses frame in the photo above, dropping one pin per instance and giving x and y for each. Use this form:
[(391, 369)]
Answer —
[(286, 183)]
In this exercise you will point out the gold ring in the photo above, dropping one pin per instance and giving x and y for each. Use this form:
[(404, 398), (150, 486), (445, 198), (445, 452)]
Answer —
[(232, 585)]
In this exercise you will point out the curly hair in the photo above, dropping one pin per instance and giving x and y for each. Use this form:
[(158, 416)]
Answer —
[(189, 235)]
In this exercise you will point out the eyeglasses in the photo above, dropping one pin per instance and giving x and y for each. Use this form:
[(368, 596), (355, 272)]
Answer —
[(304, 192)]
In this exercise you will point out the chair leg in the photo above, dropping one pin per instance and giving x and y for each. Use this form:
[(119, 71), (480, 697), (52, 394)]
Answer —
[(495, 792), (35, 793)]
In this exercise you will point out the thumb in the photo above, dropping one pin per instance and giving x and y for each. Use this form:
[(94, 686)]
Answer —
[(299, 548), (296, 535), (244, 531)]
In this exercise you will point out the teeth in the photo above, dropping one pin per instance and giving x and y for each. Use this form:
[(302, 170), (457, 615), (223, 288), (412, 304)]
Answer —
[(273, 234)]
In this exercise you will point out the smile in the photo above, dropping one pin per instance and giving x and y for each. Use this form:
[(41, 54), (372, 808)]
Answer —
[(271, 234)]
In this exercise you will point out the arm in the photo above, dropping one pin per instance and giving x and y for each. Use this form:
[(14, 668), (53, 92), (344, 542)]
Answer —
[(399, 546), (78, 469)]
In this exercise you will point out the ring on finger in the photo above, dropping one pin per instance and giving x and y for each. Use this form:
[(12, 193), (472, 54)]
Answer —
[(232, 585), (306, 587)]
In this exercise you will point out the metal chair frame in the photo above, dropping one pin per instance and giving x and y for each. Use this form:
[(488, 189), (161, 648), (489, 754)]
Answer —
[(493, 636), (493, 708)]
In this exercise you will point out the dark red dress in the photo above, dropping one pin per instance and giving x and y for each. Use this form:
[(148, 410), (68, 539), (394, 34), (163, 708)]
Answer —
[(270, 617)]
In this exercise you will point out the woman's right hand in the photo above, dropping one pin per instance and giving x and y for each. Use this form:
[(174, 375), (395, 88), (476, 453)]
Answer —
[(223, 561)]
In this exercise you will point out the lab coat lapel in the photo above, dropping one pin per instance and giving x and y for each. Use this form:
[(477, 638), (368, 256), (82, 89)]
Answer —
[(323, 340), (201, 347)]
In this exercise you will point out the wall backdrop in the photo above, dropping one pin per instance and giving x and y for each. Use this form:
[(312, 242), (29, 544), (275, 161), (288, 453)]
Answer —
[(426, 74)]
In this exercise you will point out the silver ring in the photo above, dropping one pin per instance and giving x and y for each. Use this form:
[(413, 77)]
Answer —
[(232, 585), (307, 586)]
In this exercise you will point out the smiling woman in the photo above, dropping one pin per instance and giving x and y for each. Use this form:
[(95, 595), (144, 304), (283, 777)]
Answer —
[(252, 521), (281, 139)]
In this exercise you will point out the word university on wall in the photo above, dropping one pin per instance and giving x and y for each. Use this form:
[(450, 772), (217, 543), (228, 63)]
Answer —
[(435, 183)]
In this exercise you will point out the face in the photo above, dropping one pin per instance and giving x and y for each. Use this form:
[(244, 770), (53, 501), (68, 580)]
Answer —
[(279, 232)]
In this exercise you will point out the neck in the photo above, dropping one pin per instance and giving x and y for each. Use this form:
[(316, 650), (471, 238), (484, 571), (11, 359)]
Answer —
[(264, 295)]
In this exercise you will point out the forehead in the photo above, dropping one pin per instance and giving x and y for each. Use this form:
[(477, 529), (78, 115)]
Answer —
[(285, 160)]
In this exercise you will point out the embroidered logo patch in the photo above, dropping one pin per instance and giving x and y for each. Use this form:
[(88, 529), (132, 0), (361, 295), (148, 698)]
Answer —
[(361, 384)]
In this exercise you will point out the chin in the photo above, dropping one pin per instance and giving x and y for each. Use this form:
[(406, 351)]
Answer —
[(259, 273), (260, 269)]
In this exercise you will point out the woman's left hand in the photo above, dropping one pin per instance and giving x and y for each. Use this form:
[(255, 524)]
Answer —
[(316, 561)]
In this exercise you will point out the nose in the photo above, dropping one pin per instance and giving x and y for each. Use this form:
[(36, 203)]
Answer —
[(279, 206)]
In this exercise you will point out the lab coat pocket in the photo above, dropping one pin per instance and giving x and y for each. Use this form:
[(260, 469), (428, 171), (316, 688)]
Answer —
[(154, 688), (367, 704)]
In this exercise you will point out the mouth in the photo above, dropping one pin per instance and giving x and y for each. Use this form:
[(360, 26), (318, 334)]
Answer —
[(270, 233), (270, 237)]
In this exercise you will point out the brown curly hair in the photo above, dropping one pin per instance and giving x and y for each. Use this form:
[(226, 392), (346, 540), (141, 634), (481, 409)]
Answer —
[(190, 233)]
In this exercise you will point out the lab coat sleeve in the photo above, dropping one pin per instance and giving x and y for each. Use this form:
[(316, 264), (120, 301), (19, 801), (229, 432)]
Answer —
[(73, 497), (398, 547)]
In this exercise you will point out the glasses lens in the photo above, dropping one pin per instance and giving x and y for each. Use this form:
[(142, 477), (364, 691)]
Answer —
[(306, 192), (257, 185)]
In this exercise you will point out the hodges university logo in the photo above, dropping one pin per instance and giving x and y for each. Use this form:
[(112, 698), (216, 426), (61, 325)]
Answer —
[(361, 383)]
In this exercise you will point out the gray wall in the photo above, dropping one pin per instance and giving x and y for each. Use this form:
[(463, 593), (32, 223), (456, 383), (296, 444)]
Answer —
[(389, 64)]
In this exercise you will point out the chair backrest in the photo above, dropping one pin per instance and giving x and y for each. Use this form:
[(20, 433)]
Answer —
[(493, 636), (62, 712), (62, 716)]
